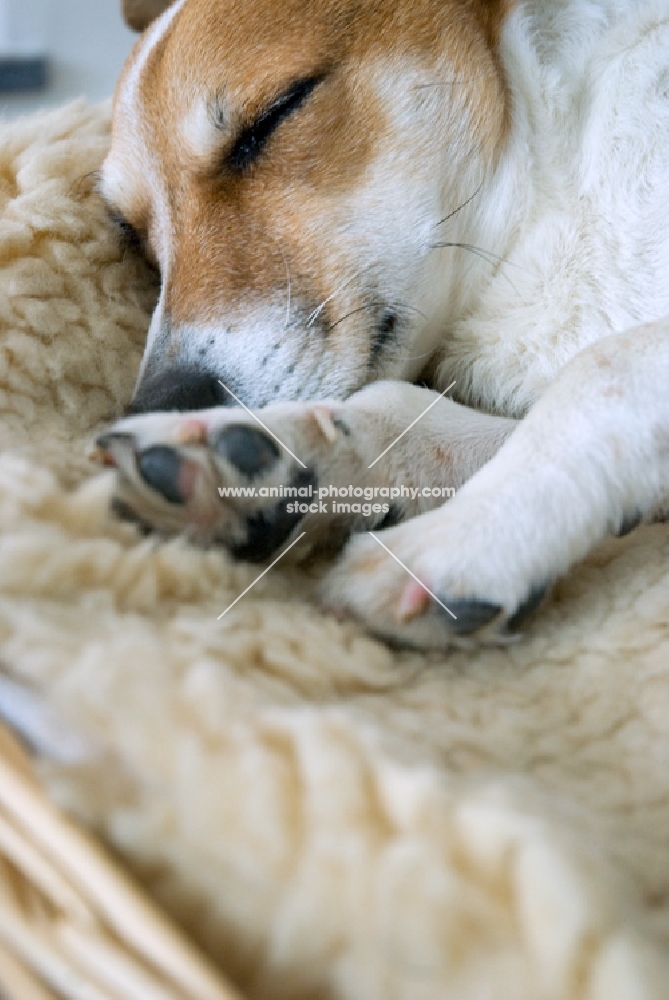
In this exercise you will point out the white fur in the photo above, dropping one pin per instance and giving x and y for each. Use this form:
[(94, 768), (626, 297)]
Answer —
[(579, 207), (592, 454), (201, 138)]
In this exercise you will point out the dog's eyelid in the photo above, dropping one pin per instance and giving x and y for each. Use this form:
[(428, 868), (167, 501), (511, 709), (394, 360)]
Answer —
[(130, 234), (252, 138), (120, 221)]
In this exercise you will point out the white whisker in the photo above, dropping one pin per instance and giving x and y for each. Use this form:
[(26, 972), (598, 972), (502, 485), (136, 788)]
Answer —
[(319, 309), (288, 284)]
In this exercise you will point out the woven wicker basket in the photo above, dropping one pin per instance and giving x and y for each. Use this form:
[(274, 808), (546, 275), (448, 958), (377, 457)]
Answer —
[(72, 924)]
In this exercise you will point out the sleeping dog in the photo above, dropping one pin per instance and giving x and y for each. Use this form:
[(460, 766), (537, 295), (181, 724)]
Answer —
[(404, 245)]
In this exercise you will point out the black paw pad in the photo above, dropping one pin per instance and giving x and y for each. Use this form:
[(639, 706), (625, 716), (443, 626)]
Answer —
[(394, 516), (527, 608), (160, 468), (470, 615), (267, 530), (249, 450)]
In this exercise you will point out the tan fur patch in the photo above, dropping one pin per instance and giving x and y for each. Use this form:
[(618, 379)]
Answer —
[(223, 235)]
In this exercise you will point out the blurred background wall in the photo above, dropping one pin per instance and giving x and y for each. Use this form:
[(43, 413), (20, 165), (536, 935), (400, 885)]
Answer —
[(85, 43)]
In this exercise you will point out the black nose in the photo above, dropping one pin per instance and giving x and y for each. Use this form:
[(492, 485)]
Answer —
[(180, 390)]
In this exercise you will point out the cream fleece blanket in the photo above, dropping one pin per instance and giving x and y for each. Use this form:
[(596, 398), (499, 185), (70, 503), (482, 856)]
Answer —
[(328, 818)]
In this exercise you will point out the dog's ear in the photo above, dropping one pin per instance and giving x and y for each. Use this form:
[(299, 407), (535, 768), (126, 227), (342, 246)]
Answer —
[(140, 13)]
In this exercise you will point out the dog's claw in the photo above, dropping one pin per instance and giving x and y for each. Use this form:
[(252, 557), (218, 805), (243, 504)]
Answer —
[(414, 601), (116, 448), (470, 615), (112, 440), (629, 523), (527, 608)]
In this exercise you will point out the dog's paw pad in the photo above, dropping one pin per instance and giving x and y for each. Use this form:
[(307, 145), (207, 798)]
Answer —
[(267, 530), (249, 450), (162, 468)]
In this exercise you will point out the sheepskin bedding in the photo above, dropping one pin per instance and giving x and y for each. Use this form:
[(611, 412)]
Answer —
[(328, 818)]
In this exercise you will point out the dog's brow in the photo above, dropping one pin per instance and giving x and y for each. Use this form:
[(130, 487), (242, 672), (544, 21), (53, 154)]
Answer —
[(214, 122), (217, 113), (202, 126), (224, 115)]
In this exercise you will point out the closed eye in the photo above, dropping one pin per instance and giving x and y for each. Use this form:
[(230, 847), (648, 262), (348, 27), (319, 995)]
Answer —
[(251, 141), (132, 238), (129, 234)]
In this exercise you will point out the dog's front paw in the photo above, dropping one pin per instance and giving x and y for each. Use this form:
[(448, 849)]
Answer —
[(435, 581), (222, 477)]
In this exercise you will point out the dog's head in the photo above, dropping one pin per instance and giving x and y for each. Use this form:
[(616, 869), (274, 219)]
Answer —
[(287, 166)]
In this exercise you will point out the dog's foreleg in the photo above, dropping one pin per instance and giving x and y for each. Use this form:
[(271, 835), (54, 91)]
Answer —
[(591, 458)]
